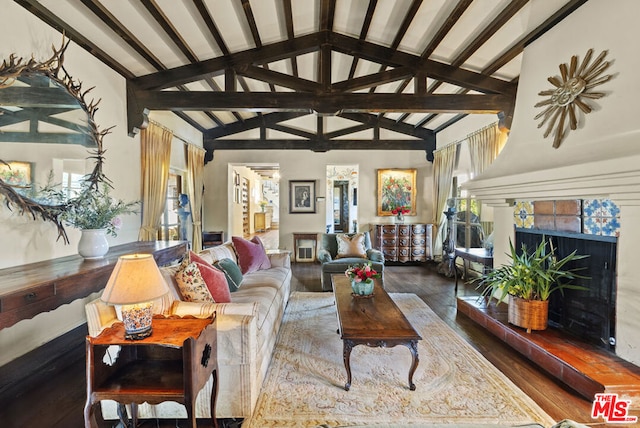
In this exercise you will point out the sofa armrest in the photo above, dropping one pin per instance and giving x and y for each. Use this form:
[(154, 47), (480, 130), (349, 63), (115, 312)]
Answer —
[(280, 259), (99, 316), (324, 256), (375, 255), (205, 310)]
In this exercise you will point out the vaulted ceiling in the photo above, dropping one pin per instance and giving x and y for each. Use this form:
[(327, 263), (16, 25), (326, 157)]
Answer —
[(311, 74)]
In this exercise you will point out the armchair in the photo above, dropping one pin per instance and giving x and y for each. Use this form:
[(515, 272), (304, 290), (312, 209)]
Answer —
[(332, 264)]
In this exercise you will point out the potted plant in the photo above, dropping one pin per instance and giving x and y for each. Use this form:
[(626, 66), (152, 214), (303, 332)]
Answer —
[(529, 281), (361, 276), (96, 214)]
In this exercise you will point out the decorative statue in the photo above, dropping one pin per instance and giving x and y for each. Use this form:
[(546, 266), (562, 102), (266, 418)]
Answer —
[(183, 214)]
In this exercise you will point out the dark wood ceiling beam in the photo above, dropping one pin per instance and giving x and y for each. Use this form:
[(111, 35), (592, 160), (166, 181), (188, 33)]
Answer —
[(265, 120), (498, 22), (248, 13), (190, 121), (281, 79), (448, 24), (363, 34), (428, 118), (211, 25), (533, 35), (316, 144), (347, 131), (45, 137), (402, 31), (434, 69), (292, 131), (117, 27), (194, 72), (288, 18), (450, 122), (386, 123), (327, 13), (372, 80), (37, 9), (168, 28), (321, 103)]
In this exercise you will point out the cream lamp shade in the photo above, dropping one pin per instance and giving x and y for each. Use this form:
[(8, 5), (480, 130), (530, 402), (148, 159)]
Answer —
[(135, 279)]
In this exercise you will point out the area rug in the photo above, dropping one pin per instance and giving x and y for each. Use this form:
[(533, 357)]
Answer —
[(456, 385)]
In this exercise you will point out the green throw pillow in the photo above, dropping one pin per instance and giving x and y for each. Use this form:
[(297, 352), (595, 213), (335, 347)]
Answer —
[(231, 272)]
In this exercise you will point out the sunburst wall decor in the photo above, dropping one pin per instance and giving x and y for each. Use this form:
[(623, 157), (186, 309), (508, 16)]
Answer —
[(570, 90)]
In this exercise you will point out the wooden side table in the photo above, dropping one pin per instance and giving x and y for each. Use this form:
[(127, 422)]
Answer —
[(173, 364)]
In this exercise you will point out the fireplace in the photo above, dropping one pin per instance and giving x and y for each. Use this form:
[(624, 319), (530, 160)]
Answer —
[(587, 314)]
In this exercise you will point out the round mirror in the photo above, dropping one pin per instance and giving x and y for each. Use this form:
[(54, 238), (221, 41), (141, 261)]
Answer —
[(48, 137)]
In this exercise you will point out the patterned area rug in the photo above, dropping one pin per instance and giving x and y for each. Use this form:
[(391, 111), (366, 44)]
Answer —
[(455, 384)]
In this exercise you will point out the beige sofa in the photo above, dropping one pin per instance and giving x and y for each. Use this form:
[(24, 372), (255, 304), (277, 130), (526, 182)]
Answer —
[(247, 330)]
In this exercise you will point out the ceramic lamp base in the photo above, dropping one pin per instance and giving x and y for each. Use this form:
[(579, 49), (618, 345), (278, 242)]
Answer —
[(137, 320)]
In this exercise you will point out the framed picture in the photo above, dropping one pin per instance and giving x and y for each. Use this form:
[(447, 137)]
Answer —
[(396, 188), (16, 173), (302, 196)]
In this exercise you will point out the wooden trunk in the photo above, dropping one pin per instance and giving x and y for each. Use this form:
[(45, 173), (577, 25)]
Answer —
[(529, 314)]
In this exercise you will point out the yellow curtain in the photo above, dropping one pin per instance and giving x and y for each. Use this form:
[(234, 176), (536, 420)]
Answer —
[(155, 155), (484, 147), (195, 190), (443, 166)]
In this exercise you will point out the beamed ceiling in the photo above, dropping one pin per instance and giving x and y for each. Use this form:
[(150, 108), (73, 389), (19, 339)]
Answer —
[(311, 74)]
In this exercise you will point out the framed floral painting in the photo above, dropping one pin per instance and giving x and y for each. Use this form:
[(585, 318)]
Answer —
[(396, 189), (16, 173)]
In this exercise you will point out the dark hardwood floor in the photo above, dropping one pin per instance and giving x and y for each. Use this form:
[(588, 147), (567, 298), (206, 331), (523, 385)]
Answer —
[(59, 401)]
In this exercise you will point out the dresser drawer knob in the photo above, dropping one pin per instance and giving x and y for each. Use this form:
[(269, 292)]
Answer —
[(30, 296)]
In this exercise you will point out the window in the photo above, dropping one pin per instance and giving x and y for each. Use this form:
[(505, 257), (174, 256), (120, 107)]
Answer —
[(170, 225)]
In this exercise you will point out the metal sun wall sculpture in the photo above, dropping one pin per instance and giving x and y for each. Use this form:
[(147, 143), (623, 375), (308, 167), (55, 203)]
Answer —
[(571, 90)]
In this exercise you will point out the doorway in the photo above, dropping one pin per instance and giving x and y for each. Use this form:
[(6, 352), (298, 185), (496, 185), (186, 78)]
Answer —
[(342, 201), (254, 201), (341, 206)]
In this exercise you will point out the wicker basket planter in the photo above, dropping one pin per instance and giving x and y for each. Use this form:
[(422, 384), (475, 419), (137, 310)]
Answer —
[(529, 314)]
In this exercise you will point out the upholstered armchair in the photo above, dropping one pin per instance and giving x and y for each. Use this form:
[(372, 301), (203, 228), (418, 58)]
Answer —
[(356, 248)]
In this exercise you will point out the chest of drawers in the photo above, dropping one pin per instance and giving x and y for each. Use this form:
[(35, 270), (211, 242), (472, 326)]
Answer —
[(404, 242)]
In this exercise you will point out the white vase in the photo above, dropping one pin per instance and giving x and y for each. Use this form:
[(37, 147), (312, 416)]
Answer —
[(93, 243)]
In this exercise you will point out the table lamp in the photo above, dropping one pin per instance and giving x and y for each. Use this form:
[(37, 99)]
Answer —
[(134, 283)]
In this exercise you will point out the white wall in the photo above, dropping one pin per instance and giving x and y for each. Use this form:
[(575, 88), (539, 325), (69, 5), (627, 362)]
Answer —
[(307, 165), (27, 241)]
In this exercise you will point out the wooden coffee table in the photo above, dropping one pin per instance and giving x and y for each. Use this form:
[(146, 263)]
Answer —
[(373, 321)]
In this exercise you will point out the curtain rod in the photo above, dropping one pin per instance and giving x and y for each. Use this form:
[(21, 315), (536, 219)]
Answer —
[(471, 134), (184, 140)]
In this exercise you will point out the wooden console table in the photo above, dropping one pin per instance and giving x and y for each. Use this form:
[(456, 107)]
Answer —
[(173, 364), (27, 290)]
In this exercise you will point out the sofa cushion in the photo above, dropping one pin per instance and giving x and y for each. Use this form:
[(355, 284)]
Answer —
[(263, 287), (350, 245), (224, 251), (232, 273), (251, 254), (202, 283)]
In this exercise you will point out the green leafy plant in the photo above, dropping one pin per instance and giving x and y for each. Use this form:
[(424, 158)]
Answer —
[(531, 275), (96, 209)]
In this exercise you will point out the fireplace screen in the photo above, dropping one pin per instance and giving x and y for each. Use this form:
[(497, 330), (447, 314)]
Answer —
[(588, 314)]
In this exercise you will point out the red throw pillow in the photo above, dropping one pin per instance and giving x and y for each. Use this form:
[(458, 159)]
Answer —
[(193, 257), (251, 254), (216, 282)]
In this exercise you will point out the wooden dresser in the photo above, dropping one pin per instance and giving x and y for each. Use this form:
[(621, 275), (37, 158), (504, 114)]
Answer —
[(27, 290), (404, 242)]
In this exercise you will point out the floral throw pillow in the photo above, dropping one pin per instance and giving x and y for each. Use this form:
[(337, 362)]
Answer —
[(192, 286)]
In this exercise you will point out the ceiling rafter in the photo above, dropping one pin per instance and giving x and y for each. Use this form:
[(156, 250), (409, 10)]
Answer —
[(482, 91)]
